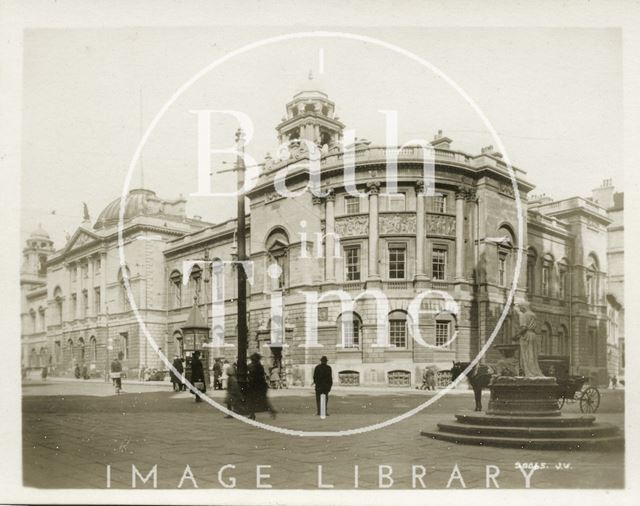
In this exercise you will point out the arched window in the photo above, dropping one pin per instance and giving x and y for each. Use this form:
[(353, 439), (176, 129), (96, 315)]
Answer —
[(175, 289), (57, 296), (532, 260), (546, 344), (591, 280), (445, 329), (547, 269), (505, 254), (69, 355), (32, 321), (93, 350), (350, 325), (563, 279), (277, 246), (176, 345), (195, 284), (81, 350), (398, 329), (124, 297), (563, 341)]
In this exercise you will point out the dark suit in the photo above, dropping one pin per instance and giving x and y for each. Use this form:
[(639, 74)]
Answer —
[(323, 380)]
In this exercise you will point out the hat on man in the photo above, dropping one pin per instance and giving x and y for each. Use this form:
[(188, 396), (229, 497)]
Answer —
[(324, 359)]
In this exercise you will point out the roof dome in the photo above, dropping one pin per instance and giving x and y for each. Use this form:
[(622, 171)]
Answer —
[(40, 233), (135, 205)]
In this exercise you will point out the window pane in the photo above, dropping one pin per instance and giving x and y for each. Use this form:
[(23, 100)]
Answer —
[(440, 204), (396, 202), (439, 263), (398, 333), (442, 333), (351, 205), (397, 262), (352, 263)]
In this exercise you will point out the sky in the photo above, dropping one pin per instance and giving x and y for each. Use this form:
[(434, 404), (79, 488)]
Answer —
[(553, 95)]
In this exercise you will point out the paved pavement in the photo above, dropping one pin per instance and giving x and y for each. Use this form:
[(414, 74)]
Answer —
[(73, 429)]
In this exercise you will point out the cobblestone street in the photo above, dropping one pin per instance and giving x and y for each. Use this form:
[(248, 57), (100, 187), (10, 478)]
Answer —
[(73, 430)]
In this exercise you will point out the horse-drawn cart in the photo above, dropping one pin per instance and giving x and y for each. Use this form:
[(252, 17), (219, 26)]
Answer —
[(571, 388), (574, 389)]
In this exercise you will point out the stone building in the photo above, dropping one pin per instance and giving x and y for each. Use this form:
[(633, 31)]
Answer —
[(613, 202), (458, 243)]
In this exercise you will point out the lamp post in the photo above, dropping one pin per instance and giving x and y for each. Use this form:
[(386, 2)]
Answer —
[(242, 257)]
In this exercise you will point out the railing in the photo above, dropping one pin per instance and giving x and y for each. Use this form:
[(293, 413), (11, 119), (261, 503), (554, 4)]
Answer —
[(397, 285)]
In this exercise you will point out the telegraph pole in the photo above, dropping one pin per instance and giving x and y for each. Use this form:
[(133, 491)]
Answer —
[(242, 257)]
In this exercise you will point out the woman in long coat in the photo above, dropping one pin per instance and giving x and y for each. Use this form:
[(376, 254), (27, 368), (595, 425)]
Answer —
[(257, 389), (197, 374)]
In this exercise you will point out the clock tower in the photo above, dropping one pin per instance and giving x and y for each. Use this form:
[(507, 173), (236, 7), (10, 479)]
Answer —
[(311, 116)]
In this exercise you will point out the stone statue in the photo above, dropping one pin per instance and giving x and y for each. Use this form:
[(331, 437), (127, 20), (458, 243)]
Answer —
[(529, 342)]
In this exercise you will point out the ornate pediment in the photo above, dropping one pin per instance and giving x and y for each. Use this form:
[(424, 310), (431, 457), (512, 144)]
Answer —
[(81, 238)]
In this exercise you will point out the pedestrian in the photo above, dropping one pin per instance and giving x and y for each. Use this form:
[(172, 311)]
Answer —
[(116, 372), (197, 375), (176, 379), (217, 373), (614, 382), (257, 389), (225, 373), (323, 380), (233, 398), (45, 372)]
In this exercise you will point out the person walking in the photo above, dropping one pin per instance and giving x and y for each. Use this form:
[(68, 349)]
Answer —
[(197, 374), (257, 389), (226, 366), (176, 379), (233, 398), (116, 372), (217, 373), (323, 380)]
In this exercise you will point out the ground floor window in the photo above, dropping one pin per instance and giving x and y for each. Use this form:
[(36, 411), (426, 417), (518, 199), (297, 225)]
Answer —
[(349, 378), (399, 378)]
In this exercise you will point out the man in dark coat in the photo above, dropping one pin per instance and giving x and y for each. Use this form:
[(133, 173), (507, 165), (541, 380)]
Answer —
[(197, 374), (257, 388), (176, 380), (323, 380)]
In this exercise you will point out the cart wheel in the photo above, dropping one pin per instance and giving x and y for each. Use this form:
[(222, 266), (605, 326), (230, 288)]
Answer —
[(561, 402), (590, 400)]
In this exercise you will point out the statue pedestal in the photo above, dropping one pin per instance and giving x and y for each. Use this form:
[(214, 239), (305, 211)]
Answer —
[(523, 413), (521, 396)]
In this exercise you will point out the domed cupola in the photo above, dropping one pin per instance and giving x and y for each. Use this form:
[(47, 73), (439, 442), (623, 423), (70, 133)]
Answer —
[(39, 247), (141, 202), (310, 116)]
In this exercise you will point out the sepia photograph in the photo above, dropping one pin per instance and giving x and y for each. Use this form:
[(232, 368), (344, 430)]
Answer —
[(259, 258)]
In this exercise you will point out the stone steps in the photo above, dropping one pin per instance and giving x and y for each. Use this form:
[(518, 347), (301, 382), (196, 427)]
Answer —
[(477, 418), (615, 442), (561, 432)]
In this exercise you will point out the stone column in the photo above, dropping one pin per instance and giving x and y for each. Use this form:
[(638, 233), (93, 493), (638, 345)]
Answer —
[(461, 195), (329, 243), (90, 284), (67, 315), (374, 190), (420, 231), (103, 283), (79, 285)]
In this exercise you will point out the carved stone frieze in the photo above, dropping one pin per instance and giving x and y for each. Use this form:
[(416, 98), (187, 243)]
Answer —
[(397, 224), (441, 224), (352, 225)]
